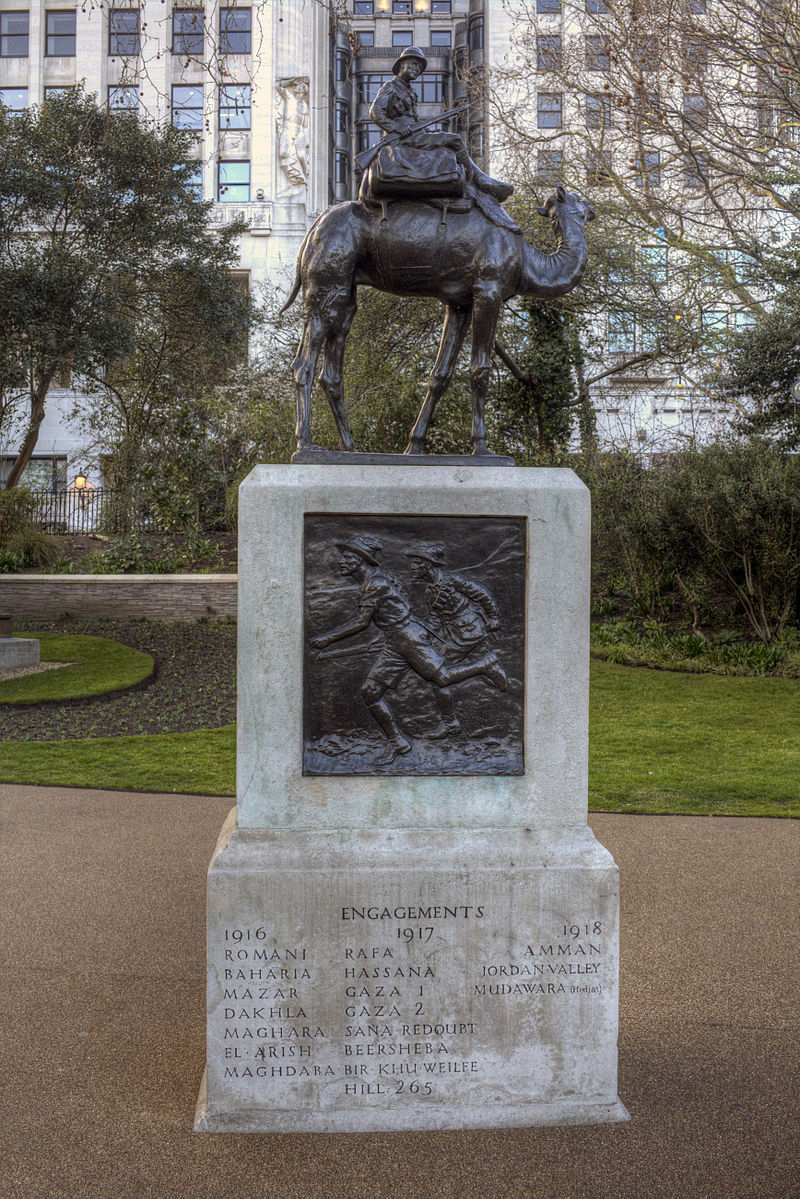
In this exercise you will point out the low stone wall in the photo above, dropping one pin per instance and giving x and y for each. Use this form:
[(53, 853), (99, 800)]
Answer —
[(157, 597)]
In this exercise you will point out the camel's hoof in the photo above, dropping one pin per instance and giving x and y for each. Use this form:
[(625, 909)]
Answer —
[(311, 445), (413, 447), (482, 451)]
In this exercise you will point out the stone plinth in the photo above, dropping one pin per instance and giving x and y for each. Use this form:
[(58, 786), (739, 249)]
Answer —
[(410, 927), (18, 653)]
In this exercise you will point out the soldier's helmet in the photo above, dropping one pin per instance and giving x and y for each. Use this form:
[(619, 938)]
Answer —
[(409, 52), (367, 548), (429, 553)]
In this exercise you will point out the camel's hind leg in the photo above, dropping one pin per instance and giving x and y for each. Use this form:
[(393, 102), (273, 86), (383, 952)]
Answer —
[(304, 368), (455, 327), (332, 377)]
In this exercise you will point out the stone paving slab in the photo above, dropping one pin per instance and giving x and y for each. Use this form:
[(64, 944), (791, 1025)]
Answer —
[(102, 1024)]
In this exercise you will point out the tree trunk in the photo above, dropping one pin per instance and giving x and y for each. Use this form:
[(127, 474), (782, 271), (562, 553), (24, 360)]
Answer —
[(32, 436)]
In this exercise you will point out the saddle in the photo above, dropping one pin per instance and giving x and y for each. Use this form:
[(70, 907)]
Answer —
[(401, 172)]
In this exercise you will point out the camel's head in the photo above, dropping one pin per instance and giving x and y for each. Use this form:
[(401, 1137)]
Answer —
[(563, 206)]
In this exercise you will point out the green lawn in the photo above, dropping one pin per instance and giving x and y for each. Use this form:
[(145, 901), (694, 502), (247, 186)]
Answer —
[(668, 742), (660, 742), (97, 665), (199, 763)]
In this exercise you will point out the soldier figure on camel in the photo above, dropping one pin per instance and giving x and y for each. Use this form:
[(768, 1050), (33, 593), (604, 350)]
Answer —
[(426, 172)]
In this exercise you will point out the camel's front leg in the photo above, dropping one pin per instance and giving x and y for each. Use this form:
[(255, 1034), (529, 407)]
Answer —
[(485, 314), (453, 331)]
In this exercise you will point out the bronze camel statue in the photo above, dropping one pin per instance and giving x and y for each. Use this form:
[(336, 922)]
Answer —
[(461, 258)]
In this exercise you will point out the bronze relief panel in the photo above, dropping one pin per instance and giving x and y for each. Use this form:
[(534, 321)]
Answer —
[(414, 645)]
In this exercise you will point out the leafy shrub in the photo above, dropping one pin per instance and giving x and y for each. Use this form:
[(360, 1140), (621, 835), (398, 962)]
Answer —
[(621, 642), (721, 523), (133, 554), (10, 562), (20, 536)]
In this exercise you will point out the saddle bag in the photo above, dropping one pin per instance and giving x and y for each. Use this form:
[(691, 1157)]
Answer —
[(406, 172)]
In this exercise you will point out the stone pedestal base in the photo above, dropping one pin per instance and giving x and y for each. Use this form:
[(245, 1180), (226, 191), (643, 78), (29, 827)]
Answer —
[(18, 653), (389, 979)]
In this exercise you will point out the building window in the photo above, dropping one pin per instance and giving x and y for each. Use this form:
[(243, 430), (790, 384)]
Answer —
[(364, 8), (596, 7), (695, 171), (14, 98), (366, 135), (548, 110), (441, 8), (598, 112), (548, 5), (401, 8), (366, 37), (342, 113), (598, 53), (187, 106), (597, 172), (696, 55), (194, 181), (476, 33), (13, 35), (123, 31), (342, 66), (234, 182), (548, 52), (715, 321), (648, 169), (431, 88), (441, 37), (695, 112), (696, 6), (548, 165), (370, 85), (123, 98), (342, 168), (234, 106), (621, 333), (653, 264), (743, 320), (402, 37), (475, 137), (645, 53), (188, 35), (60, 89), (235, 30), (60, 34)]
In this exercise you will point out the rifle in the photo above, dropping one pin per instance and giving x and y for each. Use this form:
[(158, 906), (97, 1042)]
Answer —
[(391, 139)]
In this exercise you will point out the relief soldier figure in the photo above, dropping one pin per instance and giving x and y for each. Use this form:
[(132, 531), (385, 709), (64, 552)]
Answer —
[(395, 111), (409, 645), (464, 613)]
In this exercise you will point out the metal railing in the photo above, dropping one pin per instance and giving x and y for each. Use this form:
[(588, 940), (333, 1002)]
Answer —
[(91, 510)]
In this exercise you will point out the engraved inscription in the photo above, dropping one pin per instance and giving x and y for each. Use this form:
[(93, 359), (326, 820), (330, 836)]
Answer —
[(372, 1013), (414, 645)]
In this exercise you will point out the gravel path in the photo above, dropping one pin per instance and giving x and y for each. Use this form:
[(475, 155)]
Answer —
[(193, 685)]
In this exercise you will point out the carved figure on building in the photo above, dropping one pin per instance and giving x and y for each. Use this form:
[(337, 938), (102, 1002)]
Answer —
[(292, 129), (408, 643)]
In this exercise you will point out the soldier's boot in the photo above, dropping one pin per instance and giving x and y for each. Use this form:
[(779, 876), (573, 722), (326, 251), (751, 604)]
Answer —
[(493, 187)]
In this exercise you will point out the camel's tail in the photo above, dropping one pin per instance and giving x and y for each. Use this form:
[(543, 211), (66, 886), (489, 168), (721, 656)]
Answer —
[(293, 294)]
